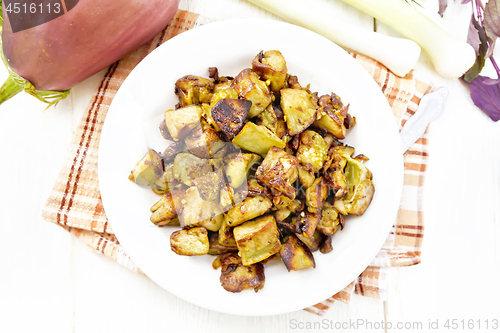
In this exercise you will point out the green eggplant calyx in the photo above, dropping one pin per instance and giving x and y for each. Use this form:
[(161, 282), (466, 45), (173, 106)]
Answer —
[(9, 89), (15, 84)]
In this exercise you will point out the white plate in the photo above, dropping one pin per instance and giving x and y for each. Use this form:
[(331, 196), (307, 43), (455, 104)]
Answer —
[(132, 126)]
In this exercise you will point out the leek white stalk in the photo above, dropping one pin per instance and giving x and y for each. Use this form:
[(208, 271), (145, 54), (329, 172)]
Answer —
[(450, 56), (398, 54)]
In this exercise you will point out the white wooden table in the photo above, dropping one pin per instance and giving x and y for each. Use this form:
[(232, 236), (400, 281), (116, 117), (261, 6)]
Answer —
[(49, 280)]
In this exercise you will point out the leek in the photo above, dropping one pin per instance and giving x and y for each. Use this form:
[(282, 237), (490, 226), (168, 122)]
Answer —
[(451, 57), (398, 54)]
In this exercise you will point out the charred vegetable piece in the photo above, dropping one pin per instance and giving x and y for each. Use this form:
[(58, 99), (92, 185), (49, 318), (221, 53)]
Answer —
[(299, 107), (204, 142), (249, 86), (210, 184), (181, 121), (296, 255), (229, 115), (257, 239), (257, 139), (271, 66), (174, 148), (306, 175), (188, 167), (235, 277), (238, 166), (312, 149), (217, 248), (278, 171), (167, 208), (268, 118), (284, 212), (197, 212), (254, 188), (357, 200), (332, 115), (334, 169), (307, 223), (248, 209), (313, 242), (190, 242), (326, 245), (329, 220), (148, 170), (316, 195), (226, 236), (193, 89)]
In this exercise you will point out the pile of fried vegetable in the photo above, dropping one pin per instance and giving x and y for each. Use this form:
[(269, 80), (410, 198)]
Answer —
[(255, 171)]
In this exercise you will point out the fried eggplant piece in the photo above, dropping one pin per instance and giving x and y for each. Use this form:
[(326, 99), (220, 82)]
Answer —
[(271, 66), (236, 277), (203, 141), (334, 169), (268, 118), (230, 114), (284, 212), (187, 167), (217, 248), (316, 195), (255, 189), (332, 115), (296, 255), (174, 148), (190, 242), (306, 175), (181, 121), (226, 236), (192, 89), (248, 209), (249, 86), (326, 245), (306, 224), (329, 221), (197, 212), (167, 208), (299, 107), (257, 240), (278, 171), (164, 131), (312, 149), (359, 184), (148, 170), (238, 166), (210, 184), (257, 139)]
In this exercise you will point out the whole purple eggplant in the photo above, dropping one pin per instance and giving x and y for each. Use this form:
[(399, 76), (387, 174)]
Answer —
[(56, 55)]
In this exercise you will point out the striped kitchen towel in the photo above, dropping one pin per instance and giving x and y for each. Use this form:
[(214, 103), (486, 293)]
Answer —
[(75, 201)]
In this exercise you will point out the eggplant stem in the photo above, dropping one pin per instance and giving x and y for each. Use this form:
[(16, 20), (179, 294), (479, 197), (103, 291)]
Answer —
[(9, 89)]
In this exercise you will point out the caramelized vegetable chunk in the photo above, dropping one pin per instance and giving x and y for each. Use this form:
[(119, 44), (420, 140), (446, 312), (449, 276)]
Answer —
[(316, 195), (312, 149), (238, 166), (190, 242), (271, 66), (148, 170), (278, 171), (188, 167), (205, 142), (181, 121), (250, 87), (332, 115), (229, 115), (248, 209), (197, 212), (193, 89), (300, 109), (296, 255), (257, 239), (235, 277), (257, 139), (167, 208)]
